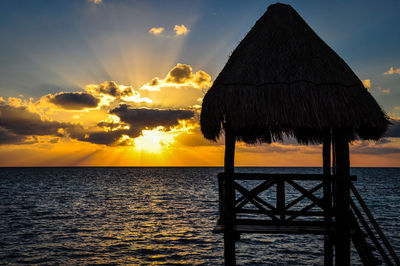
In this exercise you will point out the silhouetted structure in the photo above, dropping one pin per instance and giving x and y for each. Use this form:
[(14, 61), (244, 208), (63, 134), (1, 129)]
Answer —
[(283, 80)]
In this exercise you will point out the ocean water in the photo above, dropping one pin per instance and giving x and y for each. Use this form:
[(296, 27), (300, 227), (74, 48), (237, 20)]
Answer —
[(153, 216)]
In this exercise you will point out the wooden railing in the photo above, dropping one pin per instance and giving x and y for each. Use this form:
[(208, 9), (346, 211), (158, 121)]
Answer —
[(278, 207), (366, 225), (274, 197)]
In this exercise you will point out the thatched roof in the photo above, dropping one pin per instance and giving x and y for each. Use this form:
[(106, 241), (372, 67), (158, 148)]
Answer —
[(282, 79)]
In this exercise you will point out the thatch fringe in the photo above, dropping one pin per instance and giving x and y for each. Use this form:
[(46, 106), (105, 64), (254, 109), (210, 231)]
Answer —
[(305, 111)]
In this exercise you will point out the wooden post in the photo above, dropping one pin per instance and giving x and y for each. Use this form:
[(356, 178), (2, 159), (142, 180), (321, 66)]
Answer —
[(229, 198), (280, 199), (342, 198), (327, 187)]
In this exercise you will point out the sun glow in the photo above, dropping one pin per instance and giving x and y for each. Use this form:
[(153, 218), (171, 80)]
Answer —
[(155, 140), (159, 139)]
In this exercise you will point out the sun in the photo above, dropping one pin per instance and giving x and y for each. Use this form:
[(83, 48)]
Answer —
[(155, 140)]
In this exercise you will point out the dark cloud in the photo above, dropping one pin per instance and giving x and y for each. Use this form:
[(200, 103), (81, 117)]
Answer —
[(202, 77), (377, 150), (111, 88), (7, 137), (268, 148), (18, 123), (154, 82), (137, 120), (74, 100), (394, 129), (104, 137), (382, 141), (150, 118), (180, 74), (183, 74), (110, 125)]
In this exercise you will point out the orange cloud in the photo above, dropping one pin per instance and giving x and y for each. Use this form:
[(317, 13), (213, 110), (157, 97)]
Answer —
[(181, 30), (367, 84), (181, 75), (392, 71), (156, 31), (110, 91)]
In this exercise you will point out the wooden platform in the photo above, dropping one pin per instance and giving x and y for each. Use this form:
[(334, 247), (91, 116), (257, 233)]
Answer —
[(278, 229)]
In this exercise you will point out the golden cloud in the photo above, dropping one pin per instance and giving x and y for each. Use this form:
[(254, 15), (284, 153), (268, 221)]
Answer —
[(110, 91), (392, 71), (156, 31), (367, 84), (180, 75), (181, 30)]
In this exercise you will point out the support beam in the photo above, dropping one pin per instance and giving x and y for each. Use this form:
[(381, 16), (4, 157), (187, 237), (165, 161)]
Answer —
[(229, 198), (326, 156), (342, 198), (280, 199)]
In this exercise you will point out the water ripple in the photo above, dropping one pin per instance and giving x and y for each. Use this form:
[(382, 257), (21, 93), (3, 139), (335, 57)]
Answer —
[(116, 216)]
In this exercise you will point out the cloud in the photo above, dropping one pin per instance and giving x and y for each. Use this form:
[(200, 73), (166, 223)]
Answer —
[(274, 147), (180, 88), (181, 30), (156, 31), (182, 74), (103, 137), (376, 150), (74, 100), (392, 71), (110, 90), (8, 137), (394, 129), (109, 126), (367, 84), (18, 123), (96, 1), (201, 78), (140, 119), (132, 122), (154, 82)]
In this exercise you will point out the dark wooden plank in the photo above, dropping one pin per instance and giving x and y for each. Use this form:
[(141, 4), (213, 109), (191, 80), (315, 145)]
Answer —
[(309, 195), (297, 213), (261, 176), (292, 203), (282, 229), (279, 222), (302, 212), (247, 195)]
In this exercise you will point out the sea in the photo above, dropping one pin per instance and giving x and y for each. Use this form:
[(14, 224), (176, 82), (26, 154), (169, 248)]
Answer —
[(157, 215)]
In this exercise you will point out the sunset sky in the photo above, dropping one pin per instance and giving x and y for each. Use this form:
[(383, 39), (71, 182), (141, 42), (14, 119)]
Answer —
[(120, 83)]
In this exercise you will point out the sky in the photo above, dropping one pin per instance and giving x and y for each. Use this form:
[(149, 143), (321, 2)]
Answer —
[(120, 83)]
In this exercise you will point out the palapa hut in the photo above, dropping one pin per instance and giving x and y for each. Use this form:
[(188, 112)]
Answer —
[(283, 80)]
